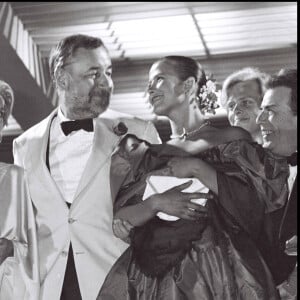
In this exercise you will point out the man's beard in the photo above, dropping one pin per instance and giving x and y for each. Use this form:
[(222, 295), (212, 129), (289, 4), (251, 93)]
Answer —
[(100, 97), (90, 106)]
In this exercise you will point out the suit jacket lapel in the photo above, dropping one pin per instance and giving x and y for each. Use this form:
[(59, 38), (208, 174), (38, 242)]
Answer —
[(288, 226), (103, 145), (37, 158)]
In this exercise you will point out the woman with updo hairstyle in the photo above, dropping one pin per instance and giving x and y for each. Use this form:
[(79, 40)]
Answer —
[(181, 249), (175, 90), (185, 67), (19, 272)]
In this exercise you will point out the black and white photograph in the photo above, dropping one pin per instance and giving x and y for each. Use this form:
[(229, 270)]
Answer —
[(148, 150)]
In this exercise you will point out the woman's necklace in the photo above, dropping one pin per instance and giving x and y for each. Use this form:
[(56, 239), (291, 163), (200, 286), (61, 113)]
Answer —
[(186, 135)]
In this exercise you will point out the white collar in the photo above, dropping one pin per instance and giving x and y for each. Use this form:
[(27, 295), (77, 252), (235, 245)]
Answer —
[(61, 116)]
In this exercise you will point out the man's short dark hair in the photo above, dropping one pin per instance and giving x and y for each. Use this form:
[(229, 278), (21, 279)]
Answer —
[(67, 47), (286, 78)]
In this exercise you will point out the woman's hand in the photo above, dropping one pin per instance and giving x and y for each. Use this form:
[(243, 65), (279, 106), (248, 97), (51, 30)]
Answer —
[(192, 147), (177, 203), (182, 166), (121, 229)]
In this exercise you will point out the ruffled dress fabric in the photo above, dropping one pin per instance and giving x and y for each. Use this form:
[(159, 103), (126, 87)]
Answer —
[(214, 258)]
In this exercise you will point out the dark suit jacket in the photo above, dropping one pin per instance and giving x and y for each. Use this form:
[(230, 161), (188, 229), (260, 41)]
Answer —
[(288, 226), (282, 225)]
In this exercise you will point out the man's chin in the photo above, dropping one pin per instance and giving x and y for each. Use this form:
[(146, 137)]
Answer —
[(243, 125), (100, 111), (103, 102), (160, 111)]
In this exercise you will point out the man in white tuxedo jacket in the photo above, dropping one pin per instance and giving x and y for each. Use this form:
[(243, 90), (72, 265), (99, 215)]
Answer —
[(67, 163)]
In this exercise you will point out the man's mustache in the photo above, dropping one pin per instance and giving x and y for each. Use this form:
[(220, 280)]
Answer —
[(100, 91), (104, 93)]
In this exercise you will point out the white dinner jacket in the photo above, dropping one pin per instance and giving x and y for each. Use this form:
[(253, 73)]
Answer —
[(88, 223)]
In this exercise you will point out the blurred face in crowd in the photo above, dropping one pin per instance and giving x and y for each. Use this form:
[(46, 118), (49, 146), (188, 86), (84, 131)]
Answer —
[(87, 83), (6, 100), (2, 105), (243, 105), (165, 89), (277, 122)]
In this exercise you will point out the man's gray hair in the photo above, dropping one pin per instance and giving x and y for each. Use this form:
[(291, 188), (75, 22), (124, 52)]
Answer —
[(67, 47)]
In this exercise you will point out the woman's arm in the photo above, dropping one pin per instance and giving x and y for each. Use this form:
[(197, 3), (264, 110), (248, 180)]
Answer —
[(192, 147), (215, 138), (195, 167), (137, 214), (173, 202)]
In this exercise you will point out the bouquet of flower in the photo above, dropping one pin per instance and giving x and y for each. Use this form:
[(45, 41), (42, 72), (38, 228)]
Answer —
[(208, 96)]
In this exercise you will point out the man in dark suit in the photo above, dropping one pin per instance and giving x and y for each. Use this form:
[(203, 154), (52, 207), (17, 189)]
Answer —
[(278, 123)]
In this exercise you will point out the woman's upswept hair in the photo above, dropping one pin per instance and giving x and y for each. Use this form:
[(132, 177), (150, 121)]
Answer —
[(186, 67)]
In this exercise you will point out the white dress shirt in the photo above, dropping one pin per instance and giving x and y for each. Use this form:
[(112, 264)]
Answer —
[(68, 156), (292, 177)]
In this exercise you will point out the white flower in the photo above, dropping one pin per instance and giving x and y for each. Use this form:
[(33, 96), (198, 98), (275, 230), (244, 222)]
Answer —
[(208, 97)]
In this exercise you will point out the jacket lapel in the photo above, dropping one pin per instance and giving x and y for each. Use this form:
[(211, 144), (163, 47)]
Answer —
[(288, 226), (37, 159), (103, 145)]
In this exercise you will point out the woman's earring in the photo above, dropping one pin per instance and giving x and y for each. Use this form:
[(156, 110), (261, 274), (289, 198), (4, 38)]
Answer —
[(194, 103)]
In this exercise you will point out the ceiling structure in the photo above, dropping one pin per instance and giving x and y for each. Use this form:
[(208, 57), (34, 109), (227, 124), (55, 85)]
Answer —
[(138, 31)]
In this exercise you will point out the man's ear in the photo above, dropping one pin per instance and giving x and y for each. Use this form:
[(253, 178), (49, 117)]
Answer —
[(189, 86), (62, 79)]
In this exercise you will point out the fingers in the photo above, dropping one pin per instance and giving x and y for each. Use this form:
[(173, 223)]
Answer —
[(192, 214), (182, 186), (197, 195), (197, 207), (116, 229), (127, 225), (121, 230)]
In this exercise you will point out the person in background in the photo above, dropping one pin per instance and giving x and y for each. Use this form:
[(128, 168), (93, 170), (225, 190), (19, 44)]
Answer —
[(278, 124), (67, 159), (241, 96), (212, 257), (19, 278), (6, 102)]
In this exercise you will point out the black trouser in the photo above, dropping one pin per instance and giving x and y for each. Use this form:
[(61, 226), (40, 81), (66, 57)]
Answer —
[(70, 289)]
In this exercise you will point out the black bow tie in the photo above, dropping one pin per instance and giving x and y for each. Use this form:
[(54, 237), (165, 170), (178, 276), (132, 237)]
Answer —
[(69, 126), (292, 160)]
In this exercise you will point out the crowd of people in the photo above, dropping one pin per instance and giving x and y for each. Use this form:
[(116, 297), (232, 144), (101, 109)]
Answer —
[(75, 222)]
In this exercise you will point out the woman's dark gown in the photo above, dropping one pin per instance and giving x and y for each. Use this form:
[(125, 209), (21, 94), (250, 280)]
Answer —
[(214, 258)]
